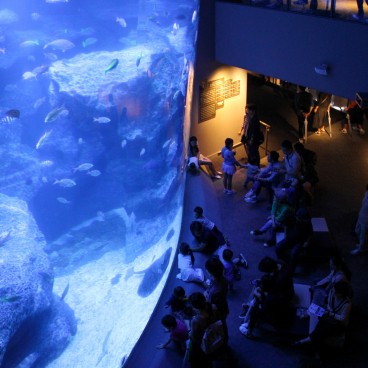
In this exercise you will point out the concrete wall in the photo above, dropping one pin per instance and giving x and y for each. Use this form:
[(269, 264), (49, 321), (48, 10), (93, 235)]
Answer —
[(212, 133), (289, 45)]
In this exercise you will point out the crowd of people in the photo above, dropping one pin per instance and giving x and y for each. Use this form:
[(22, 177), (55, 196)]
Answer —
[(198, 323)]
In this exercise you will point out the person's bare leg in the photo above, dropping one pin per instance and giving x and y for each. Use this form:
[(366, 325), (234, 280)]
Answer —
[(226, 181), (206, 161), (230, 182)]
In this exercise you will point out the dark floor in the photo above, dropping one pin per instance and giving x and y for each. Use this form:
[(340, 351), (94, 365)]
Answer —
[(343, 171)]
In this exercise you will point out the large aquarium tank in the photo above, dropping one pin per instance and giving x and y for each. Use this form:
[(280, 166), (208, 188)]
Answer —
[(92, 132)]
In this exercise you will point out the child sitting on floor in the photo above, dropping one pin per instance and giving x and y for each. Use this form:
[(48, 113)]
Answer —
[(231, 266), (178, 332), (252, 171), (186, 265), (230, 270), (179, 304), (200, 217)]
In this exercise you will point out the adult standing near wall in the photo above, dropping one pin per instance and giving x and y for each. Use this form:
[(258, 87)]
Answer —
[(251, 135), (322, 111), (303, 103), (361, 228)]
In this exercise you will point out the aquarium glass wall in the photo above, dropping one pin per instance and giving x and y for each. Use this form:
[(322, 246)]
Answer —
[(92, 104)]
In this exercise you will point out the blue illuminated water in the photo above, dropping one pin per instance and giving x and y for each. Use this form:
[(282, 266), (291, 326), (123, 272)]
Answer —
[(96, 191)]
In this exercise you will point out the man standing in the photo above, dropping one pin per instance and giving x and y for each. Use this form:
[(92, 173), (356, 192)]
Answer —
[(252, 136), (303, 104), (322, 111)]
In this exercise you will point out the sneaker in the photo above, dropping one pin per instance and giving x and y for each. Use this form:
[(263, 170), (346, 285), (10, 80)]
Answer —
[(243, 261), (269, 243), (344, 131), (251, 199), (357, 17), (244, 330), (355, 251), (361, 131), (219, 172), (249, 194), (358, 251), (231, 191), (256, 232), (216, 177)]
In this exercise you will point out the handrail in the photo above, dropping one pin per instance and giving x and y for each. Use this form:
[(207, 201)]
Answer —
[(267, 127), (267, 130)]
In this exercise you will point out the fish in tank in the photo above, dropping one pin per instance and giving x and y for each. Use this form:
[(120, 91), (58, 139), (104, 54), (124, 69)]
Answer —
[(92, 132)]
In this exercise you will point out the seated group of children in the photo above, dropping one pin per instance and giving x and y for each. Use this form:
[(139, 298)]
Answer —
[(210, 240)]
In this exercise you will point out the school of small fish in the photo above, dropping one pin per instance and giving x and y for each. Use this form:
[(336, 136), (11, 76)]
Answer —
[(53, 48)]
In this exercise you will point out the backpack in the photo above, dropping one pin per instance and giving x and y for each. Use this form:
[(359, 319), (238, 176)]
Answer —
[(213, 338)]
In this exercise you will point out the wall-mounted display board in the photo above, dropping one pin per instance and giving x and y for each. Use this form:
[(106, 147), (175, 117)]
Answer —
[(212, 95)]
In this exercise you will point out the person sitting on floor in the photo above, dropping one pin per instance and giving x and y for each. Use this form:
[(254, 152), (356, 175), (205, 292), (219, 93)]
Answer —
[(280, 272), (268, 305), (193, 151), (282, 214), (252, 171), (297, 237), (231, 269), (309, 174), (208, 241), (208, 224), (292, 165), (268, 177), (205, 314), (186, 265), (199, 216), (339, 271), (217, 290), (178, 303), (178, 332), (335, 318)]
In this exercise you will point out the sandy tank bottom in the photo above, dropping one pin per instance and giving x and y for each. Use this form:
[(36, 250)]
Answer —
[(110, 318)]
